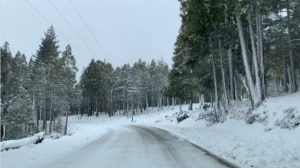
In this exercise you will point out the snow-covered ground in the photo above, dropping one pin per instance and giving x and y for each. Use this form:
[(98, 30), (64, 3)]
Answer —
[(273, 140), (261, 144), (82, 132)]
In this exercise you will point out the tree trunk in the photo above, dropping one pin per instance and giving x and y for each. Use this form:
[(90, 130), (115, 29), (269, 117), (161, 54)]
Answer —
[(127, 104), (34, 111), (45, 119), (229, 52), (191, 101), (138, 104), (147, 105), (235, 90), (132, 106), (211, 100), (223, 73), (120, 106), (54, 127), (168, 102), (47, 98), (37, 115), (200, 99), (276, 89), (256, 99), (124, 104), (254, 57), (292, 82), (96, 104), (91, 101), (52, 124), (260, 51), (160, 103), (88, 113), (40, 121), (66, 124), (50, 118), (285, 88), (180, 105), (172, 103), (152, 102), (4, 130), (290, 79), (298, 80), (215, 77), (109, 101), (231, 75)]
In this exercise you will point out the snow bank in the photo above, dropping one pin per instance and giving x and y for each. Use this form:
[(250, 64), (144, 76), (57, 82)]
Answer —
[(82, 133), (22, 142), (271, 141)]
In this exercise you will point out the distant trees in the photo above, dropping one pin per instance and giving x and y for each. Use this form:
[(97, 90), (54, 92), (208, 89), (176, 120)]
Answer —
[(127, 89)]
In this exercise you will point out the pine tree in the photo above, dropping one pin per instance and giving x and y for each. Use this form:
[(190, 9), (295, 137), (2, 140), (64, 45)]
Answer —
[(47, 58), (69, 73)]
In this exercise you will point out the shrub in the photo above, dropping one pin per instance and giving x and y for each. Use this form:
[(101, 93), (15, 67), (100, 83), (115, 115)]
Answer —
[(290, 121), (209, 116), (250, 117)]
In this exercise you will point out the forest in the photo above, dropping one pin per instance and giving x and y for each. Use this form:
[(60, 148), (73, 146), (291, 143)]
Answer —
[(225, 51), (235, 50)]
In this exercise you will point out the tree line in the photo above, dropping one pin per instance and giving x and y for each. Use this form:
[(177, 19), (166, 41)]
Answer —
[(124, 88), (37, 91), (236, 49)]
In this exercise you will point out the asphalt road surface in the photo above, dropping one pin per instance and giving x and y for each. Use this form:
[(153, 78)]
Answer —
[(139, 147)]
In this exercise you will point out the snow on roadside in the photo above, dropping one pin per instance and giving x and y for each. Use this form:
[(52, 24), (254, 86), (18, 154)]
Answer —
[(261, 144), (82, 132), (21, 142)]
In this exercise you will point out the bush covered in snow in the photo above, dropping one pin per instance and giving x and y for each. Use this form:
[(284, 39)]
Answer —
[(291, 119), (209, 116), (250, 118), (238, 109)]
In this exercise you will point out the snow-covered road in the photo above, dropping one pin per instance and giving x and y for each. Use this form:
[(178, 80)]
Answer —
[(137, 146)]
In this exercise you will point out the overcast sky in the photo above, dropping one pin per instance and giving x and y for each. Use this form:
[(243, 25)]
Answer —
[(127, 30)]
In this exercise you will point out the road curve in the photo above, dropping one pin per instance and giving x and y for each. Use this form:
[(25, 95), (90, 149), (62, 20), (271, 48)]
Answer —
[(139, 147)]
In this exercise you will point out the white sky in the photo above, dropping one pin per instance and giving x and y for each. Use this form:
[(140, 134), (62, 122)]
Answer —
[(127, 30)]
